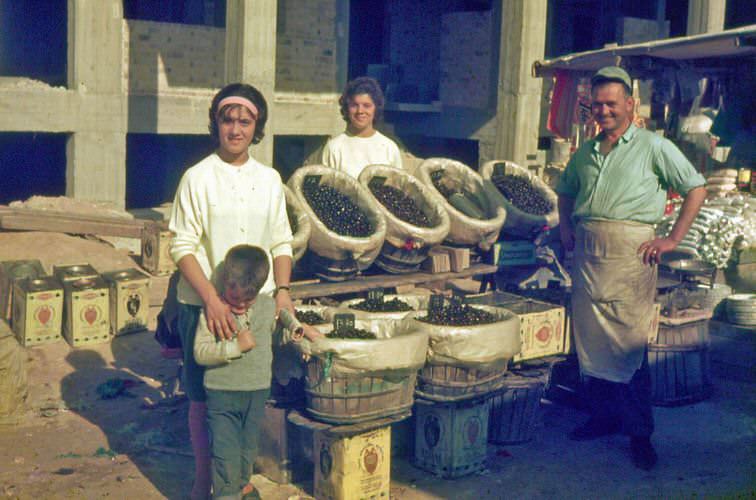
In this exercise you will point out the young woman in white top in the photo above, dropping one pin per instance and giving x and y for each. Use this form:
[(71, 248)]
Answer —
[(361, 144), (226, 199)]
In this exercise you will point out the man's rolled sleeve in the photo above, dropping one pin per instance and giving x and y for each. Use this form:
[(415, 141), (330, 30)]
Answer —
[(675, 169)]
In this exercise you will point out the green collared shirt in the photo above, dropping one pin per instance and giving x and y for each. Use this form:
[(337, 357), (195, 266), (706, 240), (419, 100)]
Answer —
[(629, 183)]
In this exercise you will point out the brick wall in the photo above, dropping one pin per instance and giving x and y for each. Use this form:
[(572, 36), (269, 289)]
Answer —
[(466, 59), (166, 58), (306, 47)]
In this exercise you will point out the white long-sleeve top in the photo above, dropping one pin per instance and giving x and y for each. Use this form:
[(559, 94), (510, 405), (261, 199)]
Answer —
[(351, 153), (218, 206)]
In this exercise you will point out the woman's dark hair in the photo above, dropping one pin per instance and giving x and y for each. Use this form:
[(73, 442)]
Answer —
[(247, 92), (361, 85)]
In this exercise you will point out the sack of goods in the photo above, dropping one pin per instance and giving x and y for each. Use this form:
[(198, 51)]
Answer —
[(348, 228), (299, 222), (468, 351), (363, 370), (388, 307), (530, 203), (721, 182), (475, 216), (414, 220)]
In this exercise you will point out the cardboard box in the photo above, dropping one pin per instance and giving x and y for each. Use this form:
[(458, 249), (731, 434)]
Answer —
[(156, 254), (438, 261), (354, 467), (10, 272), (459, 258), (450, 438), (38, 310), (87, 312), (129, 300)]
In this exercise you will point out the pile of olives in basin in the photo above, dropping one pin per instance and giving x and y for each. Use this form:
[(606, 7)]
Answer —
[(339, 213), (522, 194), (401, 205), (351, 333), (458, 315), (310, 317), (393, 305)]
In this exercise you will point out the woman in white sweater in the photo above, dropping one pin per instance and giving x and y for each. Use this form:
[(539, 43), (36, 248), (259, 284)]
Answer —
[(226, 199), (361, 144)]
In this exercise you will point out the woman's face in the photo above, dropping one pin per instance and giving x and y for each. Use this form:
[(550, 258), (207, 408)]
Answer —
[(236, 129), (361, 112)]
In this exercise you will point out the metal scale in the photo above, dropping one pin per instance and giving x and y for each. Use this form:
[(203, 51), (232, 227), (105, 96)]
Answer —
[(687, 286)]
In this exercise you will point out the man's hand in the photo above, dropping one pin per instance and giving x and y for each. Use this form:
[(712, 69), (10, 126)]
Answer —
[(653, 250), (246, 341), (220, 320), (283, 301)]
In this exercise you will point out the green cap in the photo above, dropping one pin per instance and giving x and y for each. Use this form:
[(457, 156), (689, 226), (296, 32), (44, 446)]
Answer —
[(612, 74)]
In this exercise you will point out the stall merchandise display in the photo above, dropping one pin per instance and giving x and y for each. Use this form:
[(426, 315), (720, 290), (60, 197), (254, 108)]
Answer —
[(337, 211), (522, 194), (400, 205), (470, 202), (458, 315), (351, 333), (310, 317), (392, 305)]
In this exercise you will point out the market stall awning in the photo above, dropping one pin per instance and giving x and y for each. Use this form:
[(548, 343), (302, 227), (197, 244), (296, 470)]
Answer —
[(739, 42)]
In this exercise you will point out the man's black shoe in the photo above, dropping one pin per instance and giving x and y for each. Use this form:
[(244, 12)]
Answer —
[(595, 428), (643, 453)]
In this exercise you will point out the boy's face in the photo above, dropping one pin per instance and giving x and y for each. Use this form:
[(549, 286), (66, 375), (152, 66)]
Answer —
[(238, 300)]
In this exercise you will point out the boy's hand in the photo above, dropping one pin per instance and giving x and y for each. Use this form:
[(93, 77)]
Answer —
[(309, 332), (246, 340)]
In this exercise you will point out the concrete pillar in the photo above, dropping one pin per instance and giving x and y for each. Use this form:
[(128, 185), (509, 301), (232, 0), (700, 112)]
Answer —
[(251, 57), (706, 16), (522, 41), (96, 152)]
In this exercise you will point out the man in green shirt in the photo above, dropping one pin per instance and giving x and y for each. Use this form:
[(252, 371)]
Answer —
[(611, 193)]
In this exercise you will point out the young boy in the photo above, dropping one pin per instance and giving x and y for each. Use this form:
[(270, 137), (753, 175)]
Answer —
[(238, 374)]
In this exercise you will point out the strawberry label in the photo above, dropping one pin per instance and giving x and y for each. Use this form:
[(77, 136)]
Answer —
[(44, 314), (371, 458), (543, 334), (90, 314)]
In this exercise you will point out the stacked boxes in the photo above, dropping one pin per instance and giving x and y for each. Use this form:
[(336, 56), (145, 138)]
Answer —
[(10, 272), (357, 466), (129, 300), (74, 272), (37, 310), (450, 438), (87, 312), (156, 255)]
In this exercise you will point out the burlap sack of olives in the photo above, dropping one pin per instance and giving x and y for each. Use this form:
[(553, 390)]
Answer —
[(538, 206), (328, 243), (465, 229), (400, 232), (398, 347), (416, 302), (489, 345), (300, 222)]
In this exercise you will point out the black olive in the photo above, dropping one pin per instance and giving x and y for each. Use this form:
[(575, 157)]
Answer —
[(337, 211), (351, 333), (401, 205), (458, 315), (393, 305), (310, 317), (522, 194)]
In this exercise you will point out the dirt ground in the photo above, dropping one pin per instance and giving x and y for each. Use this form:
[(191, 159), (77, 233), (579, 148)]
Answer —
[(73, 444)]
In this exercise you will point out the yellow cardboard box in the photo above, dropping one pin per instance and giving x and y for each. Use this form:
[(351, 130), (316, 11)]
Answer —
[(542, 328), (352, 468)]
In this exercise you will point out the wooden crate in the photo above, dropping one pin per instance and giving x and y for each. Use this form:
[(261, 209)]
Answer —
[(459, 258), (10, 272), (515, 409), (450, 438), (129, 300), (156, 254), (353, 467), (38, 310), (87, 312)]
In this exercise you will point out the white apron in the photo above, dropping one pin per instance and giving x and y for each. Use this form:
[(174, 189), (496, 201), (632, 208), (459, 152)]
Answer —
[(612, 298)]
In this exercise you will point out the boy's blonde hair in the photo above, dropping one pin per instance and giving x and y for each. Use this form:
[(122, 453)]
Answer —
[(245, 267)]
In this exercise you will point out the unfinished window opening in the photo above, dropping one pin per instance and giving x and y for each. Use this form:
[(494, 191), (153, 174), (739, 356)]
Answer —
[(33, 41), (197, 12), (292, 151), (462, 150), (32, 164), (155, 164)]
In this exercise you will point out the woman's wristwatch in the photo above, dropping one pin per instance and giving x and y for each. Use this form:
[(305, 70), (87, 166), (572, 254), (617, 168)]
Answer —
[(282, 287)]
